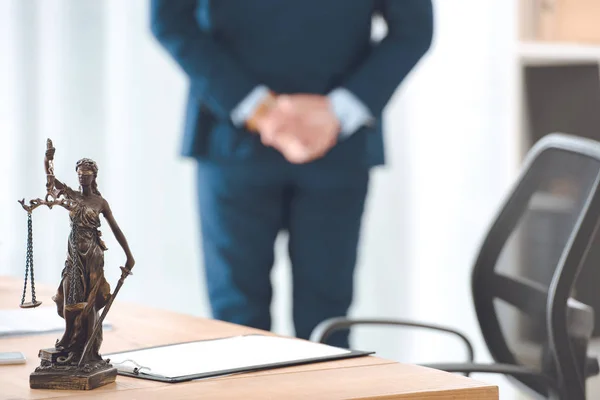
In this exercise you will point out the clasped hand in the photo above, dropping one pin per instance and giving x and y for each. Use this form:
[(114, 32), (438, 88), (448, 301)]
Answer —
[(303, 127)]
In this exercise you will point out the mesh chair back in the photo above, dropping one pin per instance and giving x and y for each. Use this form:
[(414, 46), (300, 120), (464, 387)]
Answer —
[(524, 276)]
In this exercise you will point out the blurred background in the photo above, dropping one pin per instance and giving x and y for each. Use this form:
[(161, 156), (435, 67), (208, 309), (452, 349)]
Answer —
[(89, 75)]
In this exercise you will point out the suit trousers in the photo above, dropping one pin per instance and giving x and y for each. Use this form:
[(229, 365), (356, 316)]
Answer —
[(244, 206)]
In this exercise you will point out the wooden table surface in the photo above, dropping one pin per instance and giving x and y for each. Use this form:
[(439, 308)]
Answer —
[(135, 326)]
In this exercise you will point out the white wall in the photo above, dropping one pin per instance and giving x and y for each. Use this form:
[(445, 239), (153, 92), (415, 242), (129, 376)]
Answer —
[(89, 75), (455, 120)]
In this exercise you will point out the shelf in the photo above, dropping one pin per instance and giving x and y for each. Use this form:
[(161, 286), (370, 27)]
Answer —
[(545, 54)]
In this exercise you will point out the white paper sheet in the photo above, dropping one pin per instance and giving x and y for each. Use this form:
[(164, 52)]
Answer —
[(31, 321), (220, 355)]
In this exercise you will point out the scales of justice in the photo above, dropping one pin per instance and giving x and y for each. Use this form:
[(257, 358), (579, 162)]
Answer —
[(75, 362)]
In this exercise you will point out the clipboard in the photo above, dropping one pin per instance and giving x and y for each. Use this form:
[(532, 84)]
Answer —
[(181, 362)]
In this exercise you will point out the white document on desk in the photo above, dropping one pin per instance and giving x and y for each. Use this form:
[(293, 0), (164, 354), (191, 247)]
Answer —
[(221, 356), (33, 321)]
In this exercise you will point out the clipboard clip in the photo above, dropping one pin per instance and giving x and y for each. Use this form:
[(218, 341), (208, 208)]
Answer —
[(135, 370)]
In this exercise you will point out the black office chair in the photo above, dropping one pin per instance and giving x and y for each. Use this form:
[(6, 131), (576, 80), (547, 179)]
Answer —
[(523, 281)]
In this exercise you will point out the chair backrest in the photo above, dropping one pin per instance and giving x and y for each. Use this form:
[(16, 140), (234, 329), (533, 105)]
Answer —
[(524, 277)]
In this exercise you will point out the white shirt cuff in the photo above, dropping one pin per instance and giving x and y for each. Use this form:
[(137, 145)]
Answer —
[(350, 111), (248, 105)]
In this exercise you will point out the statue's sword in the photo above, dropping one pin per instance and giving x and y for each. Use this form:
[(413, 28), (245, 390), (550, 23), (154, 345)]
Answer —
[(98, 326)]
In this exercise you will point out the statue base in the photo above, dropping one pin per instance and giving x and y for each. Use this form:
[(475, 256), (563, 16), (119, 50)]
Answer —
[(59, 371)]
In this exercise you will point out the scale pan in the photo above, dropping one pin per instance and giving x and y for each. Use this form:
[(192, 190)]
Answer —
[(30, 304)]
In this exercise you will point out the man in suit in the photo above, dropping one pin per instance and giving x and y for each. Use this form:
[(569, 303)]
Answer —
[(284, 119)]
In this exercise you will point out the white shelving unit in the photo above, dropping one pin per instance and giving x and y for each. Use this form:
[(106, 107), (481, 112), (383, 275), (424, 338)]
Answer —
[(546, 54)]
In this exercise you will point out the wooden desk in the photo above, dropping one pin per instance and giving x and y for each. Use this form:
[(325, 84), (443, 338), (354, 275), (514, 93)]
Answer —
[(136, 326)]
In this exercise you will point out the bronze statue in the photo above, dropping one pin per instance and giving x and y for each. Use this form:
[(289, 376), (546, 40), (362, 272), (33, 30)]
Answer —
[(75, 361)]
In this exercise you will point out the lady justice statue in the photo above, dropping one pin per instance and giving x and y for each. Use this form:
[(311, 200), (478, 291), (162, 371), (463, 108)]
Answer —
[(75, 362)]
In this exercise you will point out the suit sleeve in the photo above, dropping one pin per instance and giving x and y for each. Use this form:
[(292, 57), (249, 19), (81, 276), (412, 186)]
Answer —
[(213, 72), (409, 36)]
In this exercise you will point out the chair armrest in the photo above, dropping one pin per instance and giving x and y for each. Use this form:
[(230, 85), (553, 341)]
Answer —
[(327, 327), (504, 369)]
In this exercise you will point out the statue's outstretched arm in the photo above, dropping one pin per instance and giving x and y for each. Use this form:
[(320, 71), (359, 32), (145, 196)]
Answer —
[(54, 188)]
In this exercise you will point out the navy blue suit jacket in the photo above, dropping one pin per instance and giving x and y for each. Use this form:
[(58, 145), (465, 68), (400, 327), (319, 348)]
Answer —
[(228, 47)]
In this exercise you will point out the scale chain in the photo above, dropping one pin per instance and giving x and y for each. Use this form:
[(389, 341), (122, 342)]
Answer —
[(29, 258), (30, 249)]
